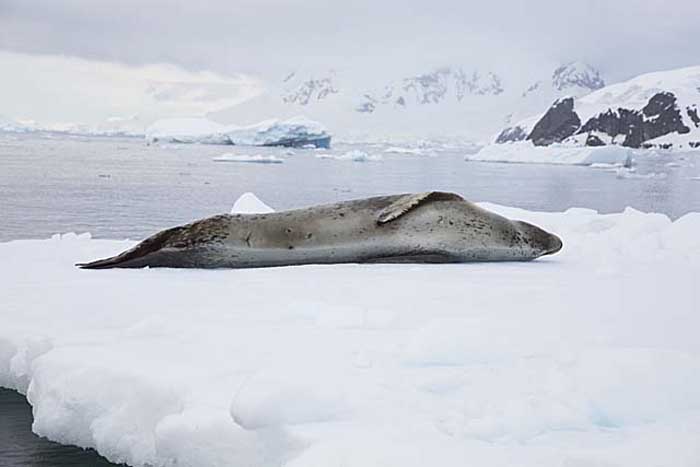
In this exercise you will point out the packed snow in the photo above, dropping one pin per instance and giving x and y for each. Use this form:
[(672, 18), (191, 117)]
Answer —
[(589, 357), (297, 131), (354, 155), (248, 203), (525, 151), (252, 158)]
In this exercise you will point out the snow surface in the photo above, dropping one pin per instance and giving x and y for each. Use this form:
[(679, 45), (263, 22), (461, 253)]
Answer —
[(586, 358), (254, 158), (525, 151), (248, 203), (202, 130)]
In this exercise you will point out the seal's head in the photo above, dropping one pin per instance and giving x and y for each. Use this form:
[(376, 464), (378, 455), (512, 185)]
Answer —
[(543, 242)]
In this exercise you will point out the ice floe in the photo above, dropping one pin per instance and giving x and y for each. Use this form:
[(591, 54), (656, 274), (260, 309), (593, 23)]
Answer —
[(589, 357), (251, 158), (354, 155), (525, 151), (294, 132)]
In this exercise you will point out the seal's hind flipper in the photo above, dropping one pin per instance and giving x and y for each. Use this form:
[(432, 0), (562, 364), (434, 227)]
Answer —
[(128, 259), (408, 202)]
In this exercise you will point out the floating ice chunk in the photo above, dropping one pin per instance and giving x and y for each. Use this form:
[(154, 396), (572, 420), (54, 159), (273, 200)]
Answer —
[(251, 158), (526, 152), (355, 156), (631, 173), (294, 132), (248, 203), (403, 150)]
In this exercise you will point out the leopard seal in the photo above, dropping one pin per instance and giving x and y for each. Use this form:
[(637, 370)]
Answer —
[(430, 227)]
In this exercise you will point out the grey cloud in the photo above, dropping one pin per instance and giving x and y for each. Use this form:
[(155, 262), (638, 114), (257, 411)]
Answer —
[(623, 37)]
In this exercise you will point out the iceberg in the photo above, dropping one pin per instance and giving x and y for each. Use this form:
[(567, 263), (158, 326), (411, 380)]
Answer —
[(526, 152), (252, 158), (354, 155), (590, 357), (294, 132)]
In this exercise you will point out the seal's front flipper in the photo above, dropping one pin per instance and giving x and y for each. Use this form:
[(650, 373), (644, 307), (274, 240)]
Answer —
[(409, 202)]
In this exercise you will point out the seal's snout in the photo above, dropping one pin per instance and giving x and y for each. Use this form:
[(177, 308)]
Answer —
[(555, 244), (544, 242)]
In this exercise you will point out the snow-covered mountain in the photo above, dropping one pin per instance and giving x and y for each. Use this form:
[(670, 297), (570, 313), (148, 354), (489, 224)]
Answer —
[(652, 110), (435, 87), (309, 90), (450, 101)]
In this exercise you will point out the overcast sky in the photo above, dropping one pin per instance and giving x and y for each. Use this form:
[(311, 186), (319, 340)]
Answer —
[(623, 37)]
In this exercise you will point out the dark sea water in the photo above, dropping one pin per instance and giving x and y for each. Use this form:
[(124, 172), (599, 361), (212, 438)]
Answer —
[(19, 447), (122, 188)]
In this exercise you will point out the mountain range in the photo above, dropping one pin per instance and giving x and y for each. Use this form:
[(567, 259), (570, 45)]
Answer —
[(654, 110), (453, 101)]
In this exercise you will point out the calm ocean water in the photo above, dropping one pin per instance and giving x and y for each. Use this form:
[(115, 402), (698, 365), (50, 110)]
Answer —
[(122, 188)]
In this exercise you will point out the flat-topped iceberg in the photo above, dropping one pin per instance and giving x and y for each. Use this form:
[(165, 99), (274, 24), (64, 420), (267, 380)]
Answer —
[(294, 132), (526, 152), (250, 158)]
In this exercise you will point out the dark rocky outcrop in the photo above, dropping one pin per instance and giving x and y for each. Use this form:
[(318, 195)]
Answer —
[(557, 124), (693, 114), (660, 116), (511, 134), (615, 123), (593, 140)]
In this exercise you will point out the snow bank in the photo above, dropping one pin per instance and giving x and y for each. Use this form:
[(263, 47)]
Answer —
[(255, 158), (355, 156), (589, 357), (294, 132), (248, 203), (524, 152)]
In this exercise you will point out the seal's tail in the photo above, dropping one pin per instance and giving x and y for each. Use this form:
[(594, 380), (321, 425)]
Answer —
[(136, 256)]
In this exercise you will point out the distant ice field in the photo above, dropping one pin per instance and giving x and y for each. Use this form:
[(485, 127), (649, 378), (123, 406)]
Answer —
[(123, 188)]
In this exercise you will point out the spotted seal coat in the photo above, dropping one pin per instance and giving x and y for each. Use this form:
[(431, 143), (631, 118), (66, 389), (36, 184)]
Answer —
[(431, 227)]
